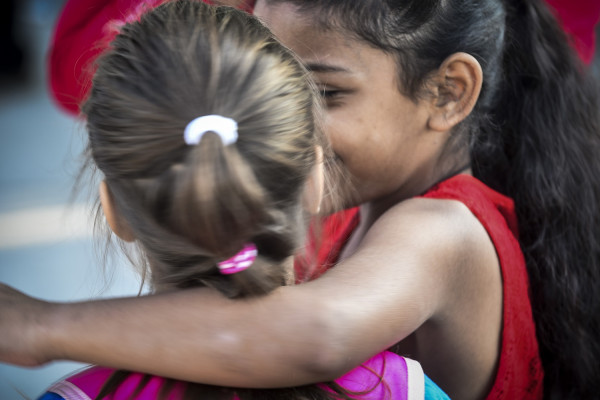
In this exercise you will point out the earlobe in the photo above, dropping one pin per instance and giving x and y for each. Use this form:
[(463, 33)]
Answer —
[(315, 185), (116, 222), (458, 84)]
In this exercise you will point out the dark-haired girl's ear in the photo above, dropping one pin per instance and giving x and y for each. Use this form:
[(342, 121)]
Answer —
[(315, 185), (116, 222), (456, 88)]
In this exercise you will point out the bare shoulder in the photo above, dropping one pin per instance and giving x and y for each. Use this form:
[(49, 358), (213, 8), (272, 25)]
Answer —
[(441, 238), (426, 275), (443, 227), (456, 274)]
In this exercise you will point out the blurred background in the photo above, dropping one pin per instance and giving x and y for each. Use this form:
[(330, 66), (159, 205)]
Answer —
[(46, 246)]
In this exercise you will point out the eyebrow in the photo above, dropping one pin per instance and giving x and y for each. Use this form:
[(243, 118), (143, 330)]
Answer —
[(319, 67)]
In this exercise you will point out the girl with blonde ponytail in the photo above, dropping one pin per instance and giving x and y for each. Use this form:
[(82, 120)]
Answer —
[(203, 127)]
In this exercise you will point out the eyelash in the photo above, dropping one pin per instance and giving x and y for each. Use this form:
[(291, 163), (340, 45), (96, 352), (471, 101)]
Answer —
[(329, 94)]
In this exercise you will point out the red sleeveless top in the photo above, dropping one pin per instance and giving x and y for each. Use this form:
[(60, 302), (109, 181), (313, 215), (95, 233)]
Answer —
[(520, 374)]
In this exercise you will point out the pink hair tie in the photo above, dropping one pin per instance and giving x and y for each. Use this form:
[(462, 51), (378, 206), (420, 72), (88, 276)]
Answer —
[(241, 261)]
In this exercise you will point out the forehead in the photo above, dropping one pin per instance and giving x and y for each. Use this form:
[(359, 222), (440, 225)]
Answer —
[(314, 45)]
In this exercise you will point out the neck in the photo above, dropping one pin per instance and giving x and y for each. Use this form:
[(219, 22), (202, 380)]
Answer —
[(372, 210)]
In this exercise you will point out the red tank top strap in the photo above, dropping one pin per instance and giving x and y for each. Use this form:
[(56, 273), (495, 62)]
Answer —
[(520, 371)]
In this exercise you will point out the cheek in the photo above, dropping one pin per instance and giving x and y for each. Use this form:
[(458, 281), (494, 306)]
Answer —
[(331, 129), (345, 132), (341, 141)]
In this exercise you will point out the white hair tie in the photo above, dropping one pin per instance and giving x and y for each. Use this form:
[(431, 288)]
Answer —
[(226, 128)]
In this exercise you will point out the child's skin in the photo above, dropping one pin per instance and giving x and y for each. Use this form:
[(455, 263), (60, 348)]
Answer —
[(420, 271)]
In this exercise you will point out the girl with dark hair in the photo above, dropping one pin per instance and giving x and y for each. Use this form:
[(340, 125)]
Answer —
[(203, 127), (470, 131)]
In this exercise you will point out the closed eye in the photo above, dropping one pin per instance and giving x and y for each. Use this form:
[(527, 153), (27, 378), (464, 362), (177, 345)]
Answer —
[(329, 94), (334, 97)]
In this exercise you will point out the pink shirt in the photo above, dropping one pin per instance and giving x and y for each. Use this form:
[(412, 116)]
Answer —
[(385, 376)]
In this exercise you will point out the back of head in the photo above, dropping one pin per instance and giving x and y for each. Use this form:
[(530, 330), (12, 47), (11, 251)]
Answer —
[(191, 206)]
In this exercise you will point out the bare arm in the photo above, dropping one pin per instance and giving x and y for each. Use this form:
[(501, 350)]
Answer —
[(296, 335)]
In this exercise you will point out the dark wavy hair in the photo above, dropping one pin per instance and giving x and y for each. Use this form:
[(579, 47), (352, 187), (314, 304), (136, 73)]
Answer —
[(534, 135), (190, 207)]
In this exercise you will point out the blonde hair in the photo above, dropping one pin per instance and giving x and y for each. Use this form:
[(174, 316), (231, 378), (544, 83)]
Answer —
[(190, 207)]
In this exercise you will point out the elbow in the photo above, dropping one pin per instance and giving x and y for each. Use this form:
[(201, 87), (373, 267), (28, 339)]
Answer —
[(330, 362), (331, 352)]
